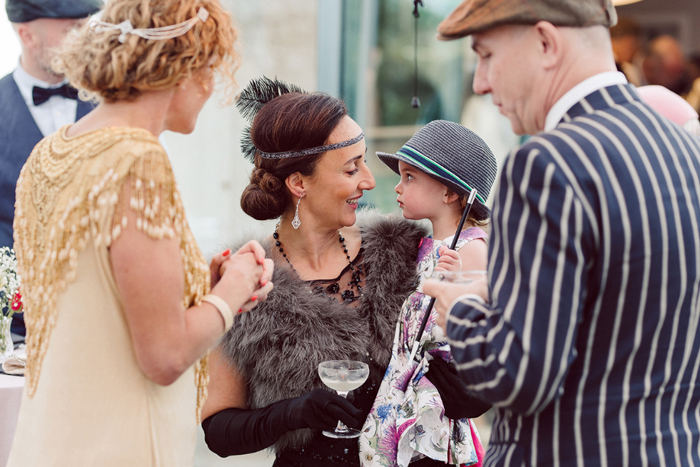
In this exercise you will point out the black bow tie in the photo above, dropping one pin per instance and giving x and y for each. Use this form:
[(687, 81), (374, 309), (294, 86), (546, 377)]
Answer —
[(41, 95)]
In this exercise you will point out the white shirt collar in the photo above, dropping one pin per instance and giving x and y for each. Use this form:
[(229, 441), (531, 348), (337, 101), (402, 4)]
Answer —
[(578, 92)]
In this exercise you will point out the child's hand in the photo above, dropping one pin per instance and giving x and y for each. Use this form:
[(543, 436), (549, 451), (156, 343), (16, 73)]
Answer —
[(449, 260)]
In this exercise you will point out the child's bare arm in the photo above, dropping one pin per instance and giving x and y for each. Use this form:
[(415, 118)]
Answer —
[(474, 255)]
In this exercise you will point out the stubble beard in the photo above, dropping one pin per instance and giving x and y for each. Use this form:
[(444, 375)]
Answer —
[(45, 64)]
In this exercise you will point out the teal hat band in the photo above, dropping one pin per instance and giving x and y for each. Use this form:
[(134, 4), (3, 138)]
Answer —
[(430, 167)]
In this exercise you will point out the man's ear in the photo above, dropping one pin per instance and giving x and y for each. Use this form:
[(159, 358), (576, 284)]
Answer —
[(27, 36), (550, 42), (295, 185)]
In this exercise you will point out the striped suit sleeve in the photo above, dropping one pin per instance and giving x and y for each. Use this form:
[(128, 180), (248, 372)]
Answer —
[(515, 351)]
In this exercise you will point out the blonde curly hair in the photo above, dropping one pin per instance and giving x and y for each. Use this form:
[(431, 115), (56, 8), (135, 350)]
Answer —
[(103, 69)]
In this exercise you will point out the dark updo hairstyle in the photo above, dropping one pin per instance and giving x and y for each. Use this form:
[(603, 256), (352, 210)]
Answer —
[(290, 122)]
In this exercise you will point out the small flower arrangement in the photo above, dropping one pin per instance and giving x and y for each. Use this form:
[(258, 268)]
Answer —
[(10, 282)]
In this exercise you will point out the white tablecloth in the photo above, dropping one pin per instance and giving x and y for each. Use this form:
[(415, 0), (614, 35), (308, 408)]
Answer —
[(10, 397)]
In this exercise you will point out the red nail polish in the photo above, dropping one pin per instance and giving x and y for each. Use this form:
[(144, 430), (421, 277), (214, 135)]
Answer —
[(240, 310), (263, 283), (253, 298), (226, 253)]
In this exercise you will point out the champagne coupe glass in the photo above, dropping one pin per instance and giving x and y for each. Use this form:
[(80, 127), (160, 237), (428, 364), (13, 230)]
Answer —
[(459, 277), (343, 376)]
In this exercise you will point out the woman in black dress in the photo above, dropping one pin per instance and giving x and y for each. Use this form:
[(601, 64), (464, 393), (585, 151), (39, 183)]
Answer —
[(339, 285)]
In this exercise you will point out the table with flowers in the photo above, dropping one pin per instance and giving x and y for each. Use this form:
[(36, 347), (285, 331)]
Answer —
[(10, 298), (10, 386)]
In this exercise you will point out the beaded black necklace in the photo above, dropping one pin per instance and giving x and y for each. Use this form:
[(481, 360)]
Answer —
[(333, 288)]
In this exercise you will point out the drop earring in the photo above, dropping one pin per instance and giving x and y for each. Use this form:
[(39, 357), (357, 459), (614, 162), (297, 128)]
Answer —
[(296, 222)]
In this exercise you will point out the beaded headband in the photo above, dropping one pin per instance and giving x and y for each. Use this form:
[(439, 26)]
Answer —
[(316, 150), (151, 34), (254, 97)]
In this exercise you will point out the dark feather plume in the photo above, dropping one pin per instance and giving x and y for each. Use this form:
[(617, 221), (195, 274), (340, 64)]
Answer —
[(247, 147), (259, 92)]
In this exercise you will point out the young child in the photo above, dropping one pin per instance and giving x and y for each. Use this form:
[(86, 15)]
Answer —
[(424, 420)]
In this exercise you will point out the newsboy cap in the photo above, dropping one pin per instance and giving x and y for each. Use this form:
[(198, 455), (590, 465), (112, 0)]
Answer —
[(22, 11), (478, 15)]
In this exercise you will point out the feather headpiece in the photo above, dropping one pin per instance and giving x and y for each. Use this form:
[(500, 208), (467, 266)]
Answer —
[(259, 92)]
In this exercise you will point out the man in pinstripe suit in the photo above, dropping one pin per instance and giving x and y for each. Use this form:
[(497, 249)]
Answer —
[(586, 336)]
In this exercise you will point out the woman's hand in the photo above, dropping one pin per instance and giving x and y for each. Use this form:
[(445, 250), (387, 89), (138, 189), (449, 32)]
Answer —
[(459, 402), (260, 294), (217, 261), (215, 266), (244, 276), (449, 260)]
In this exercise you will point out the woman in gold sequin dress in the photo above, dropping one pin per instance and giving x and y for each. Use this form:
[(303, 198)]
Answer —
[(121, 307)]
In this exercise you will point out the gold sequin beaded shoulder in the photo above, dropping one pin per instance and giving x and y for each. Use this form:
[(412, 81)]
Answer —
[(68, 196)]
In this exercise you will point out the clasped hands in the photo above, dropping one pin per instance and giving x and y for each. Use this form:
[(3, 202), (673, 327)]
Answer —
[(247, 273)]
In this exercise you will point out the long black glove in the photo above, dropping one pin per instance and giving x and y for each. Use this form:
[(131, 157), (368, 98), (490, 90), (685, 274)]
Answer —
[(239, 431), (459, 401)]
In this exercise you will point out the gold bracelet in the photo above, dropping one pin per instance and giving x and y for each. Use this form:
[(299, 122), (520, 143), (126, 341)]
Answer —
[(222, 307)]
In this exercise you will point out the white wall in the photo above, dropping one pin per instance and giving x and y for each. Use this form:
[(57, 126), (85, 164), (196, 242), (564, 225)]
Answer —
[(9, 44)]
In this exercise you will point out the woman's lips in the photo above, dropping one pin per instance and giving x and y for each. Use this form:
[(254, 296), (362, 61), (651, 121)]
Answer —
[(353, 202)]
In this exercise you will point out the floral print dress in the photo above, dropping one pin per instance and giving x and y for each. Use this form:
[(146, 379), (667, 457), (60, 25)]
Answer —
[(407, 419)]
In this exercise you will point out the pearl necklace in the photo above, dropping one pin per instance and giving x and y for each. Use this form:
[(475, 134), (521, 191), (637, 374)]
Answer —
[(333, 288)]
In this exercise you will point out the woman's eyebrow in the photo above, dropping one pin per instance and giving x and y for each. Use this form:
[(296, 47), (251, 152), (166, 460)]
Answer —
[(354, 159)]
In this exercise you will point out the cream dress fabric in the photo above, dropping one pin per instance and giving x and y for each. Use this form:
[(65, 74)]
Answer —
[(86, 402)]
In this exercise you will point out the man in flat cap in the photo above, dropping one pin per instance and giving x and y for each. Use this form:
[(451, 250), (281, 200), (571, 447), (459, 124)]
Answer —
[(34, 101), (585, 334)]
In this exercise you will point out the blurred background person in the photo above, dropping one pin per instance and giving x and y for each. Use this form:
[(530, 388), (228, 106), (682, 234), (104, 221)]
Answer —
[(665, 65), (35, 101), (121, 307), (626, 38), (693, 96), (694, 66)]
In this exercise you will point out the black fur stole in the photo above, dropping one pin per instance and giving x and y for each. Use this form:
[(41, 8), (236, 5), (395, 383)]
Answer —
[(278, 345)]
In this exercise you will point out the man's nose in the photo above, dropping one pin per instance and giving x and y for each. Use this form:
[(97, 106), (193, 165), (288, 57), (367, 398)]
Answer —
[(480, 84)]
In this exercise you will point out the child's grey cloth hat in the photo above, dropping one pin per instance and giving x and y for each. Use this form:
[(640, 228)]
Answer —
[(451, 154)]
